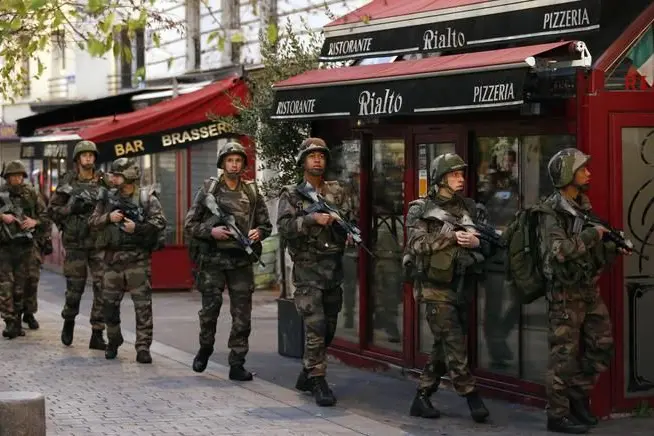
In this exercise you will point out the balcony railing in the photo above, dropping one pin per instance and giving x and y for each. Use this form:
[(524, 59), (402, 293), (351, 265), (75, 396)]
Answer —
[(59, 87), (119, 82)]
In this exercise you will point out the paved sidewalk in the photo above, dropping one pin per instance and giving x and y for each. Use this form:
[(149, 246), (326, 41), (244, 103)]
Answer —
[(89, 395)]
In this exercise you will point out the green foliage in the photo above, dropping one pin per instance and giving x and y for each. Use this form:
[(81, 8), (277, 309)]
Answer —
[(27, 26), (283, 55)]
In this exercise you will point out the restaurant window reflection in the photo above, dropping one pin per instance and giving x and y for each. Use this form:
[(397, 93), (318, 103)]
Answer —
[(512, 173), (387, 242), (345, 167)]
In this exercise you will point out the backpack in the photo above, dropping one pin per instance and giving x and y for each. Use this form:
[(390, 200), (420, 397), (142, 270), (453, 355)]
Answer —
[(144, 202), (523, 260)]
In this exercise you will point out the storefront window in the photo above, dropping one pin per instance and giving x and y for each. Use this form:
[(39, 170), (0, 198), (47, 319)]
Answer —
[(164, 164), (512, 173), (637, 162), (635, 71), (345, 167), (387, 242)]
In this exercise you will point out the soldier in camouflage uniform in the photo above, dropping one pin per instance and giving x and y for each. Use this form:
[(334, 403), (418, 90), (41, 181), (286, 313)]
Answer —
[(70, 208), (573, 259), (316, 248), (23, 219), (448, 265), (42, 247), (131, 222), (221, 261)]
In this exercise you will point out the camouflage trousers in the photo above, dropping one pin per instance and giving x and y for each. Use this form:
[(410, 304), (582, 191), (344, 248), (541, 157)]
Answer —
[(30, 298), (319, 309), (240, 286), (14, 264), (571, 373), (449, 351), (132, 277), (75, 270)]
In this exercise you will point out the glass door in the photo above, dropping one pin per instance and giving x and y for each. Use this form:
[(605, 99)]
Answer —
[(385, 287)]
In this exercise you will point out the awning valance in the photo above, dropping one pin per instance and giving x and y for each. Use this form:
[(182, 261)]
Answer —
[(395, 27), (176, 123), (439, 84)]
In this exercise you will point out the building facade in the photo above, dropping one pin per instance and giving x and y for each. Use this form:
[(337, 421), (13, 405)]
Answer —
[(428, 78)]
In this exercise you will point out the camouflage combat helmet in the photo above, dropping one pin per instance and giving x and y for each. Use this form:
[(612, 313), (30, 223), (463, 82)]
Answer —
[(445, 163), (231, 147), (310, 145), (83, 147), (564, 164), (128, 168), (14, 167)]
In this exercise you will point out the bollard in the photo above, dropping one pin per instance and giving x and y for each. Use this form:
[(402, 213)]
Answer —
[(22, 414)]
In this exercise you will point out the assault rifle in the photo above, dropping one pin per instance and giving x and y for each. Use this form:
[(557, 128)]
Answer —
[(320, 205), (8, 208), (78, 196), (223, 218), (588, 219), (129, 210), (451, 223)]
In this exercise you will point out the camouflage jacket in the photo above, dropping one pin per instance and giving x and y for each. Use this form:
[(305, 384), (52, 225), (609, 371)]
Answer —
[(316, 251), (70, 216), (120, 245), (26, 200), (435, 249), (571, 259), (226, 254)]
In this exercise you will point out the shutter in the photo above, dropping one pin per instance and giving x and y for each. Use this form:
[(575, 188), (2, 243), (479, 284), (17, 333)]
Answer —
[(203, 163)]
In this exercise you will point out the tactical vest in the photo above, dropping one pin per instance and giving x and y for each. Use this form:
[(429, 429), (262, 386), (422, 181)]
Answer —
[(116, 239), (23, 203), (199, 247), (75, 228), (319, 240)]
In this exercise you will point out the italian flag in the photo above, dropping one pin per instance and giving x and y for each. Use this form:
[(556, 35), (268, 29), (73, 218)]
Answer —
[(642, 56)]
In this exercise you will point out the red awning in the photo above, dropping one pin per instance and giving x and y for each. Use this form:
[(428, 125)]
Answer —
[(455, 64), (384, 9), (186, 110), (483, 80), (176, 123)]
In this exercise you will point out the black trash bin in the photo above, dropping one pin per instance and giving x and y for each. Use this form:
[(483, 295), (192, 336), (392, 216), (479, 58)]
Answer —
[(290, 327)]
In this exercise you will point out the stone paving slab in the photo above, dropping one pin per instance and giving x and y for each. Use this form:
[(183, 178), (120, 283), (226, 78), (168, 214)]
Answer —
[(89, 395)]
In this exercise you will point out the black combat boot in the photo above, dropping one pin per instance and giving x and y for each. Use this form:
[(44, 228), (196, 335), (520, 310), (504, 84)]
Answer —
[(566, 425), (579, 409), (144, 356), (202, 359), (32, 323), (67, 332), (112, 348), (422, 405), (303, 383), (478, 409), (13, 330), (238, 373), (321, 392), (97, 341)]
